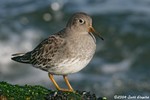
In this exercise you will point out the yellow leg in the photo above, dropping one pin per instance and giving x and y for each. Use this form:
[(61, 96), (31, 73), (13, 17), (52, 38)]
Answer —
[(57, 86), (53, 80), (68, 84)]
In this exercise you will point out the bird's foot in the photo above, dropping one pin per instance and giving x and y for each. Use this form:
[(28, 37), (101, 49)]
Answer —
[(66, 90)]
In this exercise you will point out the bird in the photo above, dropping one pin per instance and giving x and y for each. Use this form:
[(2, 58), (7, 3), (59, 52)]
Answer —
[(66, 51)]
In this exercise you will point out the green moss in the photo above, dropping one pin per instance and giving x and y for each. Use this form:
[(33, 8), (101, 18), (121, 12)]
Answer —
[(28, 92), (23, 92)]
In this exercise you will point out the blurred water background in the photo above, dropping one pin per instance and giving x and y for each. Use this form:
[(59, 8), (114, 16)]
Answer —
[(121, 64)]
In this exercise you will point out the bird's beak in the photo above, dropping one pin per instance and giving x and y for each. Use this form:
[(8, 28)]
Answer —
[(91, 29)]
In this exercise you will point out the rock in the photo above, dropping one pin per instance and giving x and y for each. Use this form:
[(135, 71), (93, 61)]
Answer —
[(28, 92)]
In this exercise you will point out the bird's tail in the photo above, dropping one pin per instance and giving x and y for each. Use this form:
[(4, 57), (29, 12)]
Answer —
[(21, 57)]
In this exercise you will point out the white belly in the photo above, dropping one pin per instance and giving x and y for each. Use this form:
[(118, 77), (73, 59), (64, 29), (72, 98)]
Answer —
[(69, 66)]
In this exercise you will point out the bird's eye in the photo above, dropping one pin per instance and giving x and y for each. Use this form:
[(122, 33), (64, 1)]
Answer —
[(81, 21)]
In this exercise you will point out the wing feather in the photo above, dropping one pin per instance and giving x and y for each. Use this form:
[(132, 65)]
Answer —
[(46, 50)]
